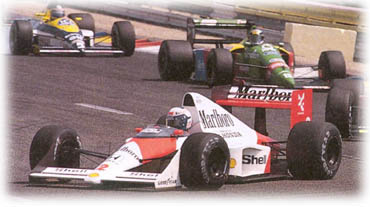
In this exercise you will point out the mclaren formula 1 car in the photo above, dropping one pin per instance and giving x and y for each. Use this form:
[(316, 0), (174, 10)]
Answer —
[(218, 148), (54, 33)]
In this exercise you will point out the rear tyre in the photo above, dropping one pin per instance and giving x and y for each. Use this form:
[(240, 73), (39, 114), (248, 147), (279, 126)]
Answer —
[(219, 67), (204, 161), (332, 65), (175, 60), (338, 109), (314, 150), (123, 37), (20, 37), (83, 20), (356, 86), (54, 146)]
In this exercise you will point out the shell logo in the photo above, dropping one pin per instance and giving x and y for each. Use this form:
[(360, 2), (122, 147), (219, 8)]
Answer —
[(232, 163)]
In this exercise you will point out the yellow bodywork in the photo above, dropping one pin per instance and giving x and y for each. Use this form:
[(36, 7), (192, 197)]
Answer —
[(45, 17), (240, 46)]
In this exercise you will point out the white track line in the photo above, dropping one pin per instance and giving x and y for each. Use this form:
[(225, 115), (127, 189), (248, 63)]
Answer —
[(101, 108)]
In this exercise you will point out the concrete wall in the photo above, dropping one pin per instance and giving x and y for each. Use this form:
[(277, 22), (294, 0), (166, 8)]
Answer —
[(309, 41)]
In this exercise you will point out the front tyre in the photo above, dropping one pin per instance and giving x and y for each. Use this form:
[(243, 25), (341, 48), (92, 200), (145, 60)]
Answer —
[(219, 67), (332, 65), (20, 37), (204, 161), (175, 60), (123, 37), (314, 150), (55, 146)]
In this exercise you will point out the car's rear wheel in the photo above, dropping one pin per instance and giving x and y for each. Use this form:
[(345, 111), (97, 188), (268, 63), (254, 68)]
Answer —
[(219, 67), (20, 37), (332, 65), (339, 109), (204, 161), (124, 37), (314, 150), (54, 146), (175, 60)]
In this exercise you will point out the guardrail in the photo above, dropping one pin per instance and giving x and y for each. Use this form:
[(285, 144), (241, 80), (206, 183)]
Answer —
[(307, 13), (272, 18)]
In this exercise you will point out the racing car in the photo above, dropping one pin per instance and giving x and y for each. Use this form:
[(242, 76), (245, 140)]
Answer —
[(54, 33), (199, 145), (250, 61)]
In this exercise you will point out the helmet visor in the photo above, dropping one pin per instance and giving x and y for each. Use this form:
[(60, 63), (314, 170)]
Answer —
[(57, 13), (178, 122)]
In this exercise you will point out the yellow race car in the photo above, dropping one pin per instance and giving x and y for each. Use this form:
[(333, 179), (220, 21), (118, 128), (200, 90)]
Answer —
[(53, 32)]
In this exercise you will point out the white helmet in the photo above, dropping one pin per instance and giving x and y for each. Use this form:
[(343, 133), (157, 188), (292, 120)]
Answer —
[(57, 12), (256, 37), (180, 118)]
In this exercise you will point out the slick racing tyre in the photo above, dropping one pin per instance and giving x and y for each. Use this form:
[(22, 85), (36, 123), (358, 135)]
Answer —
[(20, 37), (219, 67), (356, 86), (54, 146), (83, 20), (332, 65), (338, 110), (175, 60), (314, 150), (204, 161), (123, 37)]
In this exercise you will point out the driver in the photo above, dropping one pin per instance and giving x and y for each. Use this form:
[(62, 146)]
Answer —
[(57, 12), (256, 37), (180, 118)]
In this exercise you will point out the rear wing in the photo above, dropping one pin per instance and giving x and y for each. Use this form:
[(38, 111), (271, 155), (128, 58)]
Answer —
[(298, 101), (194, 24)]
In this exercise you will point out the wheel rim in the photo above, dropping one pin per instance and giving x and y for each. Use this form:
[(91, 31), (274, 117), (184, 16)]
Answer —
[(66, 153), (217, 163), (332, 153)]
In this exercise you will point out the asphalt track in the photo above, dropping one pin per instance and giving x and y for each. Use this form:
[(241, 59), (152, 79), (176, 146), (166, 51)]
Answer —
[(105, 98)]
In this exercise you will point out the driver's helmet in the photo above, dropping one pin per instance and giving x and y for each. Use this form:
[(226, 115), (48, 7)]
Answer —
[(180, 118), (256, 37), (57, 12)]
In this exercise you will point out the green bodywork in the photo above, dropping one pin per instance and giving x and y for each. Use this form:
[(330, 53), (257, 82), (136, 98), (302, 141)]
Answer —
[(274, 69)]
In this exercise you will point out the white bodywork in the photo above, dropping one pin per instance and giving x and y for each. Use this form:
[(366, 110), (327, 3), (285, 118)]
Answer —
[(247, 157)]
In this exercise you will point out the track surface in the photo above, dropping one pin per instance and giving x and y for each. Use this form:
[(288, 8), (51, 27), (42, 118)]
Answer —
[(45, 90)]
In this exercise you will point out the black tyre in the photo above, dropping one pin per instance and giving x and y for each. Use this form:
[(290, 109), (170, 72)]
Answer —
[(314, 150), (338, 109), (83, 20), (54, 146), (123, 37), (204, 161), (219, 67), (162, 120), (20, 37), (175, 60), (356, 86), (332, 65)]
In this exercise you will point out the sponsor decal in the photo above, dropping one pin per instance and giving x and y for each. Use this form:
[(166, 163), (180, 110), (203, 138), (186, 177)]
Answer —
[(69, 170), (275, 65), (215, 120), (264, 94), (271, 52), (232, 163), (169, 181), (151, 130), (254, 160), (130, 152), (73, 36), (65, 22), (230, 134), (144, 175), (103, 167), (272, 60)]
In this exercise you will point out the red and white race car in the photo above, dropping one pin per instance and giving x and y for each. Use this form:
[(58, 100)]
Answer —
[(216, 149)]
